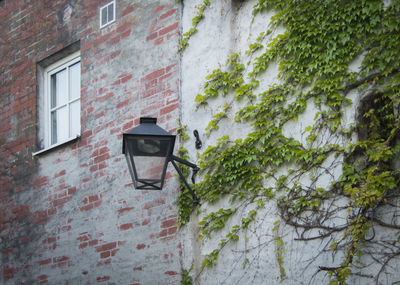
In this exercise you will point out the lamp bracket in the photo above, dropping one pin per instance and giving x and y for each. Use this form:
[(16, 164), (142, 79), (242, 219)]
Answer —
[(195, 168)]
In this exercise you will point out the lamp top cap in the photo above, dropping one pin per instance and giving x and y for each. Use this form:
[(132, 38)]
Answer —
[(148, 127), (148, 120)]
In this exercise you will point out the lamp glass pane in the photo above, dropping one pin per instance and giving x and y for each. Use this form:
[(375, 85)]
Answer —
[(149, 146), (149, 169)]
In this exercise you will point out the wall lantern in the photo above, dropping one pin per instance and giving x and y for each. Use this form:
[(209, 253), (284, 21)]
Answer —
[(148, 148)]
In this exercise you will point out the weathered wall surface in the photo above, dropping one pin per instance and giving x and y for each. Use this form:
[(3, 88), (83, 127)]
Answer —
[(71, 215), (227, 29)]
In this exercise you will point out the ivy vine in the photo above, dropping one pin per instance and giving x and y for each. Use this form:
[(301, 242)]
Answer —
[(321, 39)]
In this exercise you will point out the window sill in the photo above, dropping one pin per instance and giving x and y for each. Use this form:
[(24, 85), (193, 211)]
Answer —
[(54, 146)]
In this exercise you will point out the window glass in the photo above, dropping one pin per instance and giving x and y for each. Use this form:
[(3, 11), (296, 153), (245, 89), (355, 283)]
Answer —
[(74, 81), (64, 100), (110, 12), (107, 13), (103, 17), (60, 125), (59, 88), (75, 119)]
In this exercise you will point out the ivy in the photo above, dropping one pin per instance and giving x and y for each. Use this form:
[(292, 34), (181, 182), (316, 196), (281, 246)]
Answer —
[(186, 278), (322, 38), (195, 21)]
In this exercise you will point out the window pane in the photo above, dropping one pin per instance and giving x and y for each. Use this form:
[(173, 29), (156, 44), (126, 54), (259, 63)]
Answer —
[(104, 16), (59, 89), (59, 125), (53, 128), (110, 12), (75, 81), (74, 117)]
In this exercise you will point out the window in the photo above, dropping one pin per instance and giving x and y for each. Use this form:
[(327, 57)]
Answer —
[(107, 14), (62, 100)]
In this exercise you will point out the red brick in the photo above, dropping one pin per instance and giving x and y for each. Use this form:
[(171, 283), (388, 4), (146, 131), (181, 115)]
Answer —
[(158, 9), (49, 240), (123, 27), (99, 115), (126, 78), (61, 173), (93, 242), (94, 168), (71, 190), (114, 251), (102, 39), (8, 273), (65, 229), (152, 36), (21, 211), (105, 97), (115, 54), (45, 261), (166, 76), (171, 273), (168, 223), (115, 40), (107, 246), (125, 227), (170, 67), (154, 74), (8, 251), (169, 109), (168, 29), (86, 208), (105, 254), (158, 41), (163, 233), (42, 277), (102, 165), (127, 209), (101, 158), (125, 34), (172, 230), (151, 84), (93, 198), (123, 103), (154, 203), (62, 201), (128, 126), (103, 279), (25, 239), (40, 181), (87, 134), (140, 246), (127, 11), (60, 259), (167, 14)]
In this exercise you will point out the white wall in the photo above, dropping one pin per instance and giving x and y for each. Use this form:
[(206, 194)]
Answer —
[(228, 28)]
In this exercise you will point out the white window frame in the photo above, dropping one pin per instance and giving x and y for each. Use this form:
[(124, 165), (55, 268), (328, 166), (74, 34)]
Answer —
[(65, 63), (101, 13)]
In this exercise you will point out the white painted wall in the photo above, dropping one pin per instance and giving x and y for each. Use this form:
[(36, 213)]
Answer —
[(228, 28)]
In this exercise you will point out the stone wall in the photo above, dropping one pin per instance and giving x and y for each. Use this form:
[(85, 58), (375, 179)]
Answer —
[(71, 215)]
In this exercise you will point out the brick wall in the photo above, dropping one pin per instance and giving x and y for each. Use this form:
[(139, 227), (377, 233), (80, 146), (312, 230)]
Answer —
[(72, 214)]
